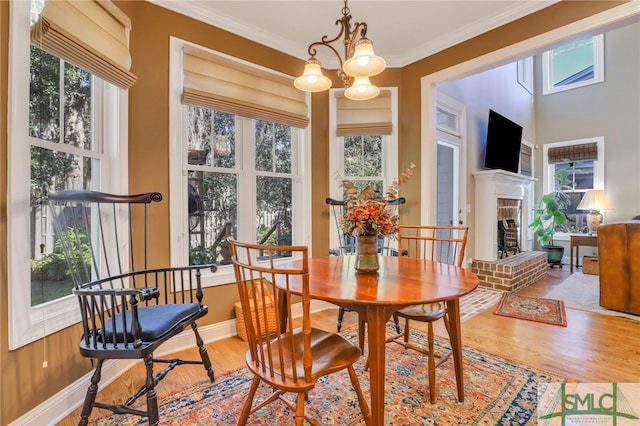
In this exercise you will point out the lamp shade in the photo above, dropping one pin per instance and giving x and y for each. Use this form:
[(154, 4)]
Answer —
[(312, 79), (361, 90), (364, 62), (595, 199)]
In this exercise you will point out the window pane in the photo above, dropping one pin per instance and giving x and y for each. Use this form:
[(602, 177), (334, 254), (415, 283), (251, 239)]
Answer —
[(446, 120), (582, 174), (363, 156), (282, 148), (274, 197), (273, 147), (211, 137), (212, 208), (264, 146), (77, 107), (573, 62), (50, 278), (44, 96)]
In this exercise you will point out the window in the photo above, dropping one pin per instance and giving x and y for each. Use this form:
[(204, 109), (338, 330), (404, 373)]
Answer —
[(572, 65), (584, 161), (232, 171), (230, 155), (363, 144), (66, 137)]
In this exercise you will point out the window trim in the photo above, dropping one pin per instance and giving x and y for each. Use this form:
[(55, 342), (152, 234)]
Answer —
[(178, 176), (548, 169), (598, 69), (26, 323), (336, 156)]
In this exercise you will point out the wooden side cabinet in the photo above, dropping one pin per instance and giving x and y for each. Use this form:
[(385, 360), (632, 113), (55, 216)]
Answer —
[(619, 254)]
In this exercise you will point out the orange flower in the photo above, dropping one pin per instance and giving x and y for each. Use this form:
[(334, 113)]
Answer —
[(366, 215)]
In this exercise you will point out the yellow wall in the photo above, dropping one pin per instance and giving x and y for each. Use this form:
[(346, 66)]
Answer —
[(25, 384)]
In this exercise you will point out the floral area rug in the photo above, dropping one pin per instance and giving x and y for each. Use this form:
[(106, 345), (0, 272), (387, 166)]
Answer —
[(548, 311), (497, 391)]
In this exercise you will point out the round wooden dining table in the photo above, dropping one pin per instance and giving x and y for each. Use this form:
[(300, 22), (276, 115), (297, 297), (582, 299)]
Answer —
[(400, 282)]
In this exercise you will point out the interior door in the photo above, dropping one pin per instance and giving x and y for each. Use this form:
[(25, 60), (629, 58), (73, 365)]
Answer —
[(451, 183), (447, 184)]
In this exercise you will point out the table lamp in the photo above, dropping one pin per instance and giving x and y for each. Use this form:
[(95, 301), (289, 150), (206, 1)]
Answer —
[(594, 200)]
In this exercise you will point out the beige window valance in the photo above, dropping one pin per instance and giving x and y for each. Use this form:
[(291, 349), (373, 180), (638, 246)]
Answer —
[(220, 83), (91, 34), (584, 152), (370, 117)]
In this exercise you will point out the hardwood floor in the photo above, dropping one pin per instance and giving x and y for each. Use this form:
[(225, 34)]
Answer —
[(592, 348)]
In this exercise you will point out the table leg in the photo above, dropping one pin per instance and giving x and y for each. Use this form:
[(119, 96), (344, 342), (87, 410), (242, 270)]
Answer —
[(571, 257), (455, 336), (377, 317)]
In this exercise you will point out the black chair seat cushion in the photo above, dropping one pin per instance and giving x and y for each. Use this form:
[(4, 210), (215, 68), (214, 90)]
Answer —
[(155, 321)]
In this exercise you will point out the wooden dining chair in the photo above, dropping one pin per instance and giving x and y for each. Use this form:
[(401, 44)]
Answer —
[(445, 244), (293, 358)]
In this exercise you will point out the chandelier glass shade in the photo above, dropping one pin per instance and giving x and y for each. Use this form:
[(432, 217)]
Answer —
[(361, 89), (312, 79), (359, 63)]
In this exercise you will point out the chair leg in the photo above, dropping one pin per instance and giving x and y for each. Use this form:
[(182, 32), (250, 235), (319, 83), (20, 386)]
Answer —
[(396, 320), (407, 331), (300, 409), (364, 407), (432, 365), (152, 397), (90, 397), (340, 317), (204, 355), (246, 409)]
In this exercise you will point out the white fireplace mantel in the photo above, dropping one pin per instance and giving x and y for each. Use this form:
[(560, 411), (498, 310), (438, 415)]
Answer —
[(490, 186)]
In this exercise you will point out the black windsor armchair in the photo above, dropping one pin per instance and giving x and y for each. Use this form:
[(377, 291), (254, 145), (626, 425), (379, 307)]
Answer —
[(128, 309)]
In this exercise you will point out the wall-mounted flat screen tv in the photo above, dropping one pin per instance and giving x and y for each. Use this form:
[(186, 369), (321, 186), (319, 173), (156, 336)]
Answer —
[(503, 143)]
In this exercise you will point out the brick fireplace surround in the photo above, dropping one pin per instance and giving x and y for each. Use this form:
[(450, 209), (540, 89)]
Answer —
[(511, 273)]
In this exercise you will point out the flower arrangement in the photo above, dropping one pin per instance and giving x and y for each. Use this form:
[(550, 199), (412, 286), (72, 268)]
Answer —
[(368, 213)]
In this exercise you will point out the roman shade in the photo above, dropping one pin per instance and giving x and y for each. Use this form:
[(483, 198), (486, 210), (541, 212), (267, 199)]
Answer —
[(525, 160), (581, 152), (370, 117), (218, 82), (91, 34)]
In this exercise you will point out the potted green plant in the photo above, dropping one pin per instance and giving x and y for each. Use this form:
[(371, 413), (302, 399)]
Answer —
[(551, 214)]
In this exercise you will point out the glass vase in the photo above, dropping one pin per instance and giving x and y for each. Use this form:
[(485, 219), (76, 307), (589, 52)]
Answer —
[(367, 254)]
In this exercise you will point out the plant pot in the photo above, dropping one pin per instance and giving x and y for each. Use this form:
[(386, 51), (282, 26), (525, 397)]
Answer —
[(554, 254)]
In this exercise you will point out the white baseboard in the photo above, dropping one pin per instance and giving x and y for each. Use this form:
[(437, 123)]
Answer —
[(70, 398)]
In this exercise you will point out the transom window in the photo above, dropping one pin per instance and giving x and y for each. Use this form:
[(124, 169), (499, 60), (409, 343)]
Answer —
[(572, 65)]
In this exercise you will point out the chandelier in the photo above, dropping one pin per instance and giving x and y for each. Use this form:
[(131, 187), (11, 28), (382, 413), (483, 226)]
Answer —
[(360, 62)]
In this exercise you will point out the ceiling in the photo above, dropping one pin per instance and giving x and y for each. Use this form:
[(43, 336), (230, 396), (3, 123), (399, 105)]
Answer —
[(402, 31)]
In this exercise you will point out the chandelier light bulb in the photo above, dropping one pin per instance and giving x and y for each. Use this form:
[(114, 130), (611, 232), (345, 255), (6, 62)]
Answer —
[(312, 79), (361, 90), (364, 62)]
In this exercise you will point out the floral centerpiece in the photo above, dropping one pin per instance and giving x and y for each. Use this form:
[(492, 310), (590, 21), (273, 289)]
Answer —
[(369, 213)]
